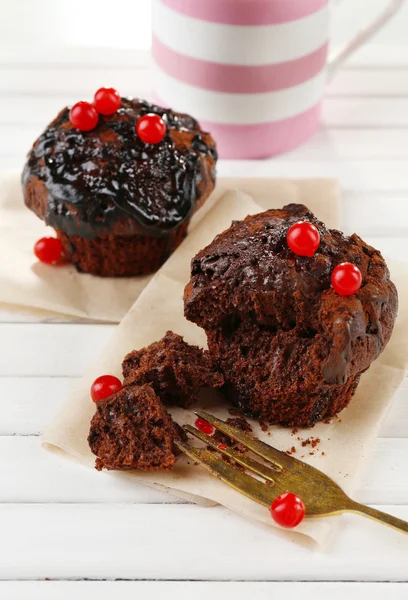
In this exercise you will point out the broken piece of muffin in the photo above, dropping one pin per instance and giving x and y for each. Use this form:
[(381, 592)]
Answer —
[(177, 370), (133, 430)]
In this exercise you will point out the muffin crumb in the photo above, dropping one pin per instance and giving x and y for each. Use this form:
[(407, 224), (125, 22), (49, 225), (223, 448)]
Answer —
[(176, 370)]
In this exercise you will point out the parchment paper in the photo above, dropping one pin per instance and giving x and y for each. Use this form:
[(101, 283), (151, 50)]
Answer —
[(344, 442), (27, 283)]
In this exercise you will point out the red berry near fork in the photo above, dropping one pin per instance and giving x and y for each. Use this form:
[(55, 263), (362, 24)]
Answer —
[(107, 101), (346, 279), (104, 386), (83, 116), (288, 510), (151, 128), (204, 426), (48, 250), (303, 239)]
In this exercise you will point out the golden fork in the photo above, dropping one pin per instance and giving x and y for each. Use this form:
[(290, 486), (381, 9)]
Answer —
[(321, 496)]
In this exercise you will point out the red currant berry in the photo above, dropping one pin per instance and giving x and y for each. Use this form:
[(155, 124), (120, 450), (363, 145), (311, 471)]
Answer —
[(107, 101), (151, 128), (48, 250), (288, 510), (222, 447), (346, 279), (104, 386), (204, 426), (83, 116), (303, 239)]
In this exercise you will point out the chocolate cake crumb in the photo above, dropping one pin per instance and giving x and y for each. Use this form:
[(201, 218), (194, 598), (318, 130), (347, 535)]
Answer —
[(291, 451), (295, 431), (263, 426), (311, 442), (239, 423), (235, 412), (177, 370), (133, 430)]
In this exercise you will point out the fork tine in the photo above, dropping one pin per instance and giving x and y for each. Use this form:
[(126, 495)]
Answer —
[(276, 457), (245, 461), (238, 480)]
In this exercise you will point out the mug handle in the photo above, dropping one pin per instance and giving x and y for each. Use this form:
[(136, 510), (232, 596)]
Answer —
[(362, 37)]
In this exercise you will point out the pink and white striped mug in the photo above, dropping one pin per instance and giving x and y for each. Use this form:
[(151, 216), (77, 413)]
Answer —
[(252, 72)]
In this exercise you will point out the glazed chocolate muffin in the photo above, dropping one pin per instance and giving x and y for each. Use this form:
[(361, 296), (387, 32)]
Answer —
[(176, 370), (291, 349), (133, 430), (119, 206)]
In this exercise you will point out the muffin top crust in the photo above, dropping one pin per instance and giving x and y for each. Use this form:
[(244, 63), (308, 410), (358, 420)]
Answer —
[(108, 180), (248, 274)]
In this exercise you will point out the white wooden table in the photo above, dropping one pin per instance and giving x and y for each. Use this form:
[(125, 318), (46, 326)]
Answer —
[(62, 522)]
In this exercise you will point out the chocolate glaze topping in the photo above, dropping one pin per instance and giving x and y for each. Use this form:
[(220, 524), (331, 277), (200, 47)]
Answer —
[(97, 177)]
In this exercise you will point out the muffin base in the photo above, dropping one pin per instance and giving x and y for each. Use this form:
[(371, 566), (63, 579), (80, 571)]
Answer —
[(276, 377), (292, 411), (121, 255)]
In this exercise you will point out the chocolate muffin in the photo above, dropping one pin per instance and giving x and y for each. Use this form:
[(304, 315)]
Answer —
[(291, 349), (176, 370), (133, 430), (119, 206)]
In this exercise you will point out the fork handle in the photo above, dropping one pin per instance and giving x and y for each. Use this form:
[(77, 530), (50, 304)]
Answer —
[(378, 515)]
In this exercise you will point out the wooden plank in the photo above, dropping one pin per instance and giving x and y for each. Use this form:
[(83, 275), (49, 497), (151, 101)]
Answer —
[(57, 350), (82, 80), (199, 590), (392, 248), (382, 214), (365, 112), (73, 57), (183, 542), (332, 144), (347, 144), (30, 474), (73, 81), (337, 112), (388, 176), (10, 163), (372, 56), (396, 422), (375, 82), (28, 404)]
